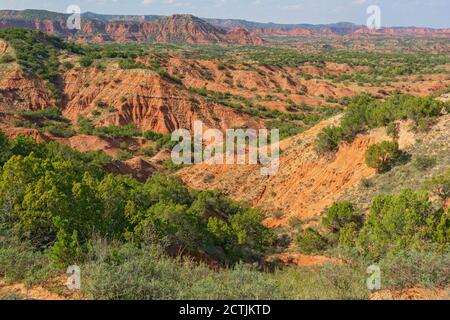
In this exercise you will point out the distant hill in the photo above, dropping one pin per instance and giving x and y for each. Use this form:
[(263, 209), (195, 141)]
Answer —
[(103, 28), (189, 29)]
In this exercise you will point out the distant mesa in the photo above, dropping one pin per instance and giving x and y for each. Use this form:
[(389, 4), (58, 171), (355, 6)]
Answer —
[(184, 28)]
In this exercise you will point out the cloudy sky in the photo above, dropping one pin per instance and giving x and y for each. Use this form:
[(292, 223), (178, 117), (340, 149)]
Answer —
[(431, 13)]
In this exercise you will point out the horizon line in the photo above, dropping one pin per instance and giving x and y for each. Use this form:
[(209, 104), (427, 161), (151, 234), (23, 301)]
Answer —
[(236, 19)]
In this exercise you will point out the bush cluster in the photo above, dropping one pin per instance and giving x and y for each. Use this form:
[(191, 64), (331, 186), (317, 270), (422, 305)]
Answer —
[(382, 156), (365, 112), (395, 224), (59, 199)]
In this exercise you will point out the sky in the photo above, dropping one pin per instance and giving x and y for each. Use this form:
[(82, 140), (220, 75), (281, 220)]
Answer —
[(420, 13)]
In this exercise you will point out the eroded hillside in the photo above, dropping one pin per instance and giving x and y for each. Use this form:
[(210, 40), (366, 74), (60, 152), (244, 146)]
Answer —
[(309, 183)]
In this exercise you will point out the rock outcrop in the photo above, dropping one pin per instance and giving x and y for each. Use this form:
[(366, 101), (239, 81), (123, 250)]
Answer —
[(144, 98), (19, 91)]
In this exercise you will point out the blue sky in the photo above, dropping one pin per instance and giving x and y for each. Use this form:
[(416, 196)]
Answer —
[(431, 13)]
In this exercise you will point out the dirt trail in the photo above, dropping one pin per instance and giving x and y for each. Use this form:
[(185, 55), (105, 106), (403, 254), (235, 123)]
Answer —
[(412, 294), (301, 260), (21, 291), (51, 289)]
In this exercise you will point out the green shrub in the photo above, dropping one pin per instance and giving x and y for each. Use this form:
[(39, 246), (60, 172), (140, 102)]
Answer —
[(364, 112), (124, 155), (100, 104), (366, 183), (148, 151), (85, 126), (123, 145), (328, 139), (170, 166), (46, 120), (331, 99), (86, 61), (343, 222), (339, 215), (311, 242), (348, 234), (47, 113), (423, 163), (166, 76), (405, 221), (423, 124), (19, 262), (412, 268), (129, 131), (163, 141), (4, 148), (100, 67), (131, 273), (67, 65), (46, 190), (66, 250), (382, 156), (393, 130), (7, 58), (58, 129), (286, 128), (127, 64), (153, 136), (96, 113)]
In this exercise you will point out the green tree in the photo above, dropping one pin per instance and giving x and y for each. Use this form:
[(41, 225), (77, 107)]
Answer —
[(249, 231), (397, 222), (441, 233), (7, 58), (180, 229), (328, 139), (311, 242), (66, 250), (393, 130), (86, 61), (382, 156), (339, 215)]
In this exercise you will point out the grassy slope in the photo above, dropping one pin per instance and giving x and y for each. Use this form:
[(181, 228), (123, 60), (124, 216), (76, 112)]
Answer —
[(434, 144)]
